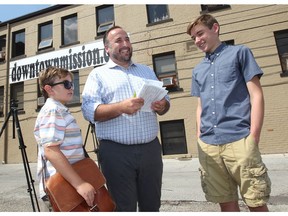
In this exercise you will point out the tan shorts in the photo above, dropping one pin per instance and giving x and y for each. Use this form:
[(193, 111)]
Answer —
[(226, 167)]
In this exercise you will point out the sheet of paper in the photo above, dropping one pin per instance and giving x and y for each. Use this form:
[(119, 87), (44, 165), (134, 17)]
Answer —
[(151, 91)]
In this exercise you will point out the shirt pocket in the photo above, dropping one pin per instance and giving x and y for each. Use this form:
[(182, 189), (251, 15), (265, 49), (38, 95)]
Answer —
[(226, 73)]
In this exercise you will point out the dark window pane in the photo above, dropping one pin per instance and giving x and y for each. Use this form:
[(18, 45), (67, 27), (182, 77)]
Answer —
[(104, 18), (76, 97), (211, 7), (1, 101), (165, 64), (105, 14), (173, 137), (18, 46), (2, 43), (157, 13), (70, 30), (281, 38), (46, 31), (46, 34), (17, 94)]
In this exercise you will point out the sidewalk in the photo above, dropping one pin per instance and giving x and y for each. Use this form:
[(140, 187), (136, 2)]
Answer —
[(181, 189)]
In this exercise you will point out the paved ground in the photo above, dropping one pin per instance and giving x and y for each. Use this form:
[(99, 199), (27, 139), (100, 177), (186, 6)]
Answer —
[(181, 190)]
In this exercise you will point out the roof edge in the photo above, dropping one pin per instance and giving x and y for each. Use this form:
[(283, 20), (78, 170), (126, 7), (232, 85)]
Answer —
[(36, 13)]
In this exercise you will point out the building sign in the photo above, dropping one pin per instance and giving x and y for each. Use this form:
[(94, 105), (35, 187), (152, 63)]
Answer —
[(75, 58)]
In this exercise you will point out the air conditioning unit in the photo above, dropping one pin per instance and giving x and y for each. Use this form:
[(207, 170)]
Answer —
[(40, 101), (2, 55), (168, 81)]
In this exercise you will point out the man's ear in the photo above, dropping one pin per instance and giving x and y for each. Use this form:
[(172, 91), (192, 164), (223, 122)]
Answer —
[(106, 49), (48, 89)]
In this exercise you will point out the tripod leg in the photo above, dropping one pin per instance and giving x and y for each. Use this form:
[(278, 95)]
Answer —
[(95, 142), (5, 143), (5, 123), (22, 147)]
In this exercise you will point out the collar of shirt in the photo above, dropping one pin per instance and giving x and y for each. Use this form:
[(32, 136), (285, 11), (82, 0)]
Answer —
[(211, 56), (112, 64)]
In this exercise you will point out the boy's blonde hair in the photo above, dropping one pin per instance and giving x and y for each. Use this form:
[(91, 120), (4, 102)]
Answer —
[(48, 76), (205, 19)]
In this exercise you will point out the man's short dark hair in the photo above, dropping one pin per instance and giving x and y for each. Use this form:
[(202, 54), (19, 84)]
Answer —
[(105, 41)]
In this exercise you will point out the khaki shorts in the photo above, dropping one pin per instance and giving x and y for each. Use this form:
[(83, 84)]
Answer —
[(226, 167)]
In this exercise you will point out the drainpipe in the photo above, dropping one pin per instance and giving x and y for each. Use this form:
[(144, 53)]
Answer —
[(7, 56)]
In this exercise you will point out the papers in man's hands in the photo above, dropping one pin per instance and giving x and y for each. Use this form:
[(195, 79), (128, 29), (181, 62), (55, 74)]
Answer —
[(151, 91)]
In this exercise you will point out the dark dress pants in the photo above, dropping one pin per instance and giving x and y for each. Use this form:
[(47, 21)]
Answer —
[(133, 174)]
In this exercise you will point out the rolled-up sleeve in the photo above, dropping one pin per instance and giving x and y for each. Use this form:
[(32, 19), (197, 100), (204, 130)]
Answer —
[(90, 98)]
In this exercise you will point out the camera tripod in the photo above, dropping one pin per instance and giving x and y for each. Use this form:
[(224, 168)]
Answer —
[(30, 182), (91, 128)]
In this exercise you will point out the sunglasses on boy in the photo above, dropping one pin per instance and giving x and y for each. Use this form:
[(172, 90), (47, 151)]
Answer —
[(67, 84)]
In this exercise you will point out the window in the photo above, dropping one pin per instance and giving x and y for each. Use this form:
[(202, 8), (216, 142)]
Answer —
[(157, 13), (2, 48), (173, 137), (69, 30), (40, 97), (17, 94), (76, 97), (165, 68), (281, 38), (45, 37), (104, 18), (211, 8), (18, 43), (229, 42), (1, 101)]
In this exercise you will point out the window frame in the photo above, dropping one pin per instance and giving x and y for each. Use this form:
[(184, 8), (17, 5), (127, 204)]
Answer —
[(15, 89), (283, 56), (42, 41), (156, 20), (208, 8), (77, 95), (2, 101), (2, 48), (169, 78), (14, 47), (63, 29), (170, 135), (105, 25)]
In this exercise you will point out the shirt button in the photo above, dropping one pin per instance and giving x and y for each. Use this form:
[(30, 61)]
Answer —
[(212, 99), (213, 113), (215, 126), (212, 86), (212, 74)]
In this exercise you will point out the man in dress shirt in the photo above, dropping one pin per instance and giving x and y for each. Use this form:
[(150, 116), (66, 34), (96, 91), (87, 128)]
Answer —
[(129, 151)]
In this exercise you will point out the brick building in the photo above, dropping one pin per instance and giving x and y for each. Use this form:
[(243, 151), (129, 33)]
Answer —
[(71, 36)]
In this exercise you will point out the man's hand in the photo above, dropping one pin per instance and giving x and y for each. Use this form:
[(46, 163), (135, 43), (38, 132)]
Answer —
[(132, 105), (161, 107)]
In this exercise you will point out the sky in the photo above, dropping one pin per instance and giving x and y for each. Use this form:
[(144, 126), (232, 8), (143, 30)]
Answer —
[(16, 9), (8, 12)]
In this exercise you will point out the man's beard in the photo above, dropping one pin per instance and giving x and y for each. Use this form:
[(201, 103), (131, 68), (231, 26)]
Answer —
[(122, 58)]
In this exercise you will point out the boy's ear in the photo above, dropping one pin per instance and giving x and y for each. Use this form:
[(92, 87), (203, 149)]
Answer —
[(216, 27), (48, 89)]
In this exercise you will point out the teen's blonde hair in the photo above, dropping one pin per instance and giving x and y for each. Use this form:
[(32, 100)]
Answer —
[(205, 19)]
